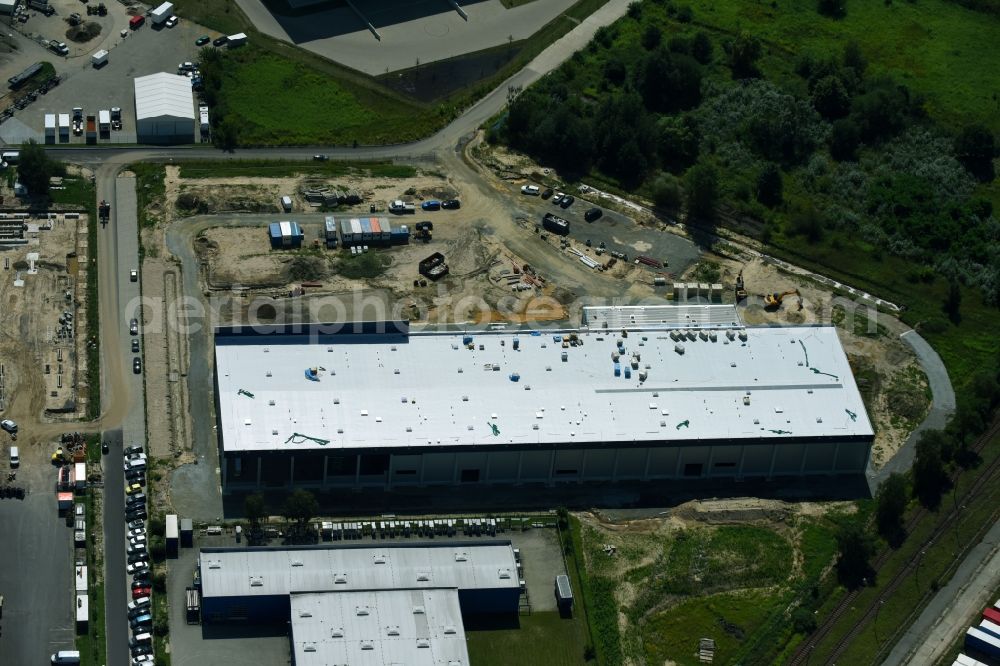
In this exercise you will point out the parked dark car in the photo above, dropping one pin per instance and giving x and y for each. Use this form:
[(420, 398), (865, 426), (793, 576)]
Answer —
[(201, 41), (136, 514), (137, 365), (424, 226), (220, 41), (451, 204), (567, 201), (547, 193), (139, 556), (135, 345), (132, 450), (431, 204), (593, 214), (104, 447)]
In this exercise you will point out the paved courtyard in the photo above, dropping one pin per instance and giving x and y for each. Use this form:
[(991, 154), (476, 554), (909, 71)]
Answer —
[(408, 31)]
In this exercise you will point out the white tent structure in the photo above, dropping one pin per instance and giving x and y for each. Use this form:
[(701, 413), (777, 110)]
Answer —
[(164, 109)]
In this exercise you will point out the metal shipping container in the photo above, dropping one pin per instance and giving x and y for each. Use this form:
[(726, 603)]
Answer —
[(992, 615), (982, 641), (366, 229), (330, 226), (356, 228), (346, 232), (991, 627), (376, 228)]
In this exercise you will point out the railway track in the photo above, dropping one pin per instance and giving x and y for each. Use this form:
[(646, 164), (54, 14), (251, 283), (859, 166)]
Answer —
[(803, 653)]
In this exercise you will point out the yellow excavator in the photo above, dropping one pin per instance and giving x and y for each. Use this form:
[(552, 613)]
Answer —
[(773, 301)]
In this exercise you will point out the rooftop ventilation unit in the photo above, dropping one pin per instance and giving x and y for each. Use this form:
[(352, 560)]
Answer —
[(379, 559), (309, 648), (337, 632), (423, 643), (367, 645), (305, 613), (392, 631), (361, 611), (297, 563), (423, 577), (450, 629), (461, 557), (418, 610)]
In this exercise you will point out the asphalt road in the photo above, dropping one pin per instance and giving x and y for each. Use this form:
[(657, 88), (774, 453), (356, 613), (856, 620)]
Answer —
[(115, 585), (942, 406)]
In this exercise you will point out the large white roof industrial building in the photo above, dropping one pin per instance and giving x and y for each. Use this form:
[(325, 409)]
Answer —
[(636, 394), (164, 109)]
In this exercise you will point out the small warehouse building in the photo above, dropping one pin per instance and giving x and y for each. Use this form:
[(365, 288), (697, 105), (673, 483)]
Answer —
[(164, 109), (635, 396), (254, 585)]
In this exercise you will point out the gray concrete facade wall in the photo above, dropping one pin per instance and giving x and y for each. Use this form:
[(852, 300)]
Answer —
[(369, 469)]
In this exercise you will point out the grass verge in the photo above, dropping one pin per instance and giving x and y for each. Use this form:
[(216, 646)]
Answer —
[(539, 638), (79, 191), (92, 645), (150, 189)]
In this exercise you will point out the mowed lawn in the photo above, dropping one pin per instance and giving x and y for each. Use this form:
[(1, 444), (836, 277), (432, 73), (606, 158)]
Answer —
[(944, 51), (544, 639), (281, 102)]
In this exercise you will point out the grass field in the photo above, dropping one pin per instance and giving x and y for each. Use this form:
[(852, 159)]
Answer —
[(277, 101), (281, 169), (672, 636), (936, 47), (541, 638)]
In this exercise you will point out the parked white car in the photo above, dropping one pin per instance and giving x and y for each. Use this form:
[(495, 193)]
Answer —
[(530, 190)]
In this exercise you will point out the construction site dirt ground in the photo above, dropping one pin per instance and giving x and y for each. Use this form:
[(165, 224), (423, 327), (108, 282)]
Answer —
[(486, 244), (42, 359)]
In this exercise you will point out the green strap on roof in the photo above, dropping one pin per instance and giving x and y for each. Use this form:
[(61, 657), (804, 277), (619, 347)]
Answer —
[(245, 392), (684, 424), (298, 438)]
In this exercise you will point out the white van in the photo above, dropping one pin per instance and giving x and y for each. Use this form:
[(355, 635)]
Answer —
[(66, 657), (15, 457)]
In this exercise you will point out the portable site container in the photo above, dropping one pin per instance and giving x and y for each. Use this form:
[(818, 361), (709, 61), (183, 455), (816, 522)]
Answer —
[(274, 233), (80, 476), (346, 232), (172, 535), (64, 124), (104, 120), (366, 229), (82, 611), (982, 641), (81, 578), (187, 533), (330, 228), (991, 614), (50, 125), (239, 39), (286, 204), (376, 228), (356, 228), (564, 594), (990, 627)]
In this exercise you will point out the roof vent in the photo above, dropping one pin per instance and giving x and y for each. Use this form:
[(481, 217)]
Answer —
[(305, 613), (329, 349), (395, 371), (296, 563), (379, 558), (378, 419), (461, 557), (423, 643), (364, 412), (256, 581), (268, 373), (270, 403), (504, 574), (423, 576), (309, 648), (367, 645), (450, 629), (340, 579), (393, 348), (274, 432), (465, 398), (337, 633), (336, 401), (361, 610), (534, 426), (392, 631), (418, 610)]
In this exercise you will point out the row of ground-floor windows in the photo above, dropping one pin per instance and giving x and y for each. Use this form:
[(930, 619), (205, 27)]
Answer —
[(319, 469)]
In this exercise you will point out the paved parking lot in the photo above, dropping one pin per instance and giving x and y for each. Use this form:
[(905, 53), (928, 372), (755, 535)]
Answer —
[(36, 568), (190, 646), (410, 31), (144, 51)]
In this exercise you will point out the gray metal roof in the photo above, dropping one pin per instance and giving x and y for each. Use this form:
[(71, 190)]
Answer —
[(378, 628), (524, 388), (280, 571), (652, 317), (163, 95)]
